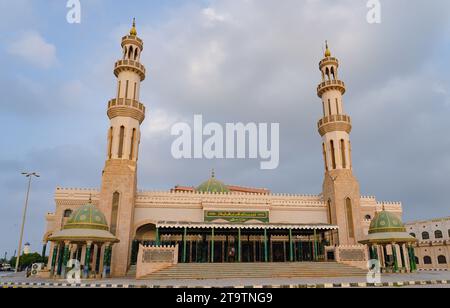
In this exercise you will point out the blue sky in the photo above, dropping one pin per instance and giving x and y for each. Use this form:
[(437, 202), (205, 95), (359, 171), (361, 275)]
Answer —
[(255, 61)]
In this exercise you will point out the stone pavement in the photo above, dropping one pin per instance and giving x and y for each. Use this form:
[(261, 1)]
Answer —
[(420, 279)]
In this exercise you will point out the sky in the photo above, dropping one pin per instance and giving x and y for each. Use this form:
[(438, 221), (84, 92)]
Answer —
[(230, 61)]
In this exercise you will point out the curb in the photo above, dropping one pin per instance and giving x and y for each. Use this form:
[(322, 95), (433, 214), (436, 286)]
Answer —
[(26, 285)]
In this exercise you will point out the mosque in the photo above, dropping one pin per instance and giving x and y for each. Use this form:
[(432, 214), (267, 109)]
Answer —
[(216, 222)]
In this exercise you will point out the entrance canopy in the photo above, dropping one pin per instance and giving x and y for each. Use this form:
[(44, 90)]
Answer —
[(212, 225)]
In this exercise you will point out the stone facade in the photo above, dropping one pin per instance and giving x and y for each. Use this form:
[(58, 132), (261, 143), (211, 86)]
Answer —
[(128, 210), (433, 248)]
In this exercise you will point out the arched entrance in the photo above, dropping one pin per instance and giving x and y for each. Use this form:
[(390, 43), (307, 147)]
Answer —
[(145, 235)]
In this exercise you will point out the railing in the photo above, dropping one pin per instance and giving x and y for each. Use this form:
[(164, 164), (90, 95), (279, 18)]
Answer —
[(327, 60), (330, 84), (121, 102), (121, 64), (334, 118)]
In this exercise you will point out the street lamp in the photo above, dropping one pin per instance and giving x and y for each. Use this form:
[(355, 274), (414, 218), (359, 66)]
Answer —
[(29, 176)]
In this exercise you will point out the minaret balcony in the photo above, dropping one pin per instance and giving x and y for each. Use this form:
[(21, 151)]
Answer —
[(126, 108), (338, 122), (329, 61), (331, 85), (129, 65), (134, 40)]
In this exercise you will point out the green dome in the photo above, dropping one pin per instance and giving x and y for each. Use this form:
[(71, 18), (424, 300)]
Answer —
[(213, 186), (87, 217), (386, 222)]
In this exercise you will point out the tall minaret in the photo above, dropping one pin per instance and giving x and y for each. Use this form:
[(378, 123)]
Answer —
[(119, 182), (340, 189)]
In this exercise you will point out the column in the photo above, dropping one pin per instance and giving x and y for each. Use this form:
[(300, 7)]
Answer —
[(184, 244), (54, 260), (107, 261), (158, 238), (87, 260), (266, 247), (291, 246), (316, 250), (413, 259), (94, 259), (65, 259), (239, 246), (212, 245), (402, 255), (394, 254), (44, 250)]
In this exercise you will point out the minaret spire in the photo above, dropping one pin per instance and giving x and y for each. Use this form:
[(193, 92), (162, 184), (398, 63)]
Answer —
[(133, 31), (327, 50)]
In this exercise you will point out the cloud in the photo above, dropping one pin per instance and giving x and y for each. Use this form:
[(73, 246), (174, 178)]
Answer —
[(34, 49)]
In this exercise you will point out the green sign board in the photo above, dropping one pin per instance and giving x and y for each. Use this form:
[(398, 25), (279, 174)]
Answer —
[(236, 217)]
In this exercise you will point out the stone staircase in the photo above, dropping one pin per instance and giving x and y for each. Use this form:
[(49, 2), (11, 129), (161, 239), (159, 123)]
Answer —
[(199, 271)]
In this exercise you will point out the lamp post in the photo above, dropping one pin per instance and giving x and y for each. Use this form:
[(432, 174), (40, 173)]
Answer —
[(29, 176)]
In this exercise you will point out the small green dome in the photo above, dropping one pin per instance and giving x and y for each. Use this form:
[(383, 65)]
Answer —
[(213, 186), (87, 217), (386, 222)]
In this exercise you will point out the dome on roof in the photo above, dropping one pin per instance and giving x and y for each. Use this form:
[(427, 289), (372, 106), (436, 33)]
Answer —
[(88, 223), (87, 217), (386, 222), (213, 186)]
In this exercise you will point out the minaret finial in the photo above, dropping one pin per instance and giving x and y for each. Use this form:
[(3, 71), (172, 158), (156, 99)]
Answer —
[(133, 30), (90, 198), (327, 51), (213, 173)]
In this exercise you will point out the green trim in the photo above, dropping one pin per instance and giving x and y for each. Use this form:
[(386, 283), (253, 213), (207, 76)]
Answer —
[(394, 253), (86, 226), (158, 237), (236, 217)]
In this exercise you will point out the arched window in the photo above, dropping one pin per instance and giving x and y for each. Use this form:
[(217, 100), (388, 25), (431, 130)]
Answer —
[(124, 52), (442, 260), (333, 155), (121, 141), (417, 260), (413, 234), (67, 213), (349, 210), (325, 156), (337, 107), (126, 89), (133, 139), (427, 260), (344, 161), (330, 220), (327, 72), (329, 107), (332, 73), (438, 234), (114, 212), (118, 89), (368, 217), (425, 235), (134, 90), (135, 54), (110, 142), (130, 53)]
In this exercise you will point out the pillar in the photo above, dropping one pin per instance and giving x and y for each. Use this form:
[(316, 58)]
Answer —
[(266, 247), (394, 254), (291, 246), (239, 246), (402, 254), (316, 248), (87, 260), (184, 244), (158, 238), (54, 258), (212, 245), (107, 261), (65, 259), (44, 250)]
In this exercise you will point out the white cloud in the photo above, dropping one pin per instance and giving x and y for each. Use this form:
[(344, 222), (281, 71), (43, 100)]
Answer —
[(34, 49), (212, 16)]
